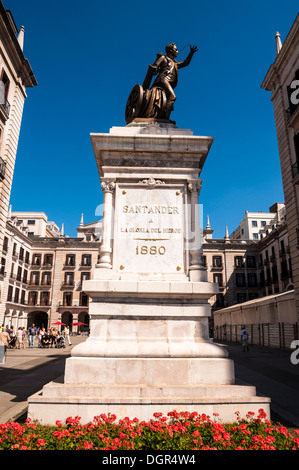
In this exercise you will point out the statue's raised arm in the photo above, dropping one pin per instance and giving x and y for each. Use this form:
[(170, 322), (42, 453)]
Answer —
[(157, 101)]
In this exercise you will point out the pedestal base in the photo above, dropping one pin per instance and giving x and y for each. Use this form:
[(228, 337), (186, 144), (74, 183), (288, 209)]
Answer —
[(220, 402)]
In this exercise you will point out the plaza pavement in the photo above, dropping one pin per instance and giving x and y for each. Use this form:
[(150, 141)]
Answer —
[(270, 370), (26, 371)]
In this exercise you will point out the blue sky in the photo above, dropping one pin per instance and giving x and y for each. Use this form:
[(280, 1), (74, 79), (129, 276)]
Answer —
[(87, 56)]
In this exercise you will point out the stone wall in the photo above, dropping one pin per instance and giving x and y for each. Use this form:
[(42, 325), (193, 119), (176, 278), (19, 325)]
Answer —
[(270, 321)]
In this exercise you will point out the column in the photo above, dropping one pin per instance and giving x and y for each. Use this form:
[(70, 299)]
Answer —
[(197, 271), (105, 260)]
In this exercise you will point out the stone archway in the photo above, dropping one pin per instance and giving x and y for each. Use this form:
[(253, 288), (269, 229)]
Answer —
[(67, 319), (39, 319), (83, 317)]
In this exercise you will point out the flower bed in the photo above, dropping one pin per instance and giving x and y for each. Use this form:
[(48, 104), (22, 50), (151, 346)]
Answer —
[(176, 431)]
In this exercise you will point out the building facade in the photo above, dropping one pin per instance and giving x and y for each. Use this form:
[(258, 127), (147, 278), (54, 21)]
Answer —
[(282, 80), (16, 76), (43, 272)]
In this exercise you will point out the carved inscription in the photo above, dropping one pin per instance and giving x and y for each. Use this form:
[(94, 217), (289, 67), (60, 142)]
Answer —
[(150, 230)]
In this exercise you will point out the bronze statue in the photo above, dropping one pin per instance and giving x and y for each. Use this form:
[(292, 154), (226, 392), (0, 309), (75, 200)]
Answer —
[(157, 101)]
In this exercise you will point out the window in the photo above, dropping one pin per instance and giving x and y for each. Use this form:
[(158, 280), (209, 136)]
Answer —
[(34, 278), (36, 259), (27, 257), (86, 260), (85, 276), (239, 261), (70, 260), (251, 262), (21, 254), (48, 259), (4, 89), (67, 299), (5, 244), (217, 261), (17, 293), (255, 236), (32, 300), (31, 222), (45, 298), (25, 274), (263, 223), (22, 301), (269, 278), (19, 273), (254, 223), (240, 279), (241, 298), (69, 279), (46, 280), (204, 260), (2, 168), (218, 278), (83, 299), (2, 268), (252, 280), (284, 270), (274, 274), (9, 294), (14, 251)]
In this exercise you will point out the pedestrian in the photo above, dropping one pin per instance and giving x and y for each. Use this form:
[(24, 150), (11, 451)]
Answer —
[(19, 337), (224, 332), (41, 333), (244, 339), (53, 336), (5, 338), (23, 337), (13, 339), (32, 332), (67, 335)]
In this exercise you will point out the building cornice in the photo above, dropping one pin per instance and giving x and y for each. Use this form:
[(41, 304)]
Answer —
[(285, 52), (21, 63)]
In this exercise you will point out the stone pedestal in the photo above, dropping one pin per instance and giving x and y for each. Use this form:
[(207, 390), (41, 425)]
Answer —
[(149, 348)]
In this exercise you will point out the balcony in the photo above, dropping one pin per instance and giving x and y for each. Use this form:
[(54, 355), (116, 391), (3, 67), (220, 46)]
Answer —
[(73, 304), (69, 265), (216, 267), (39, 304), (5, 107), (85, 266), (69, 285)]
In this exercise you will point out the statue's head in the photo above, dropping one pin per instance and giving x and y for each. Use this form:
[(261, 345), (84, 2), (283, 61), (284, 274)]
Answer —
[(171, 50)]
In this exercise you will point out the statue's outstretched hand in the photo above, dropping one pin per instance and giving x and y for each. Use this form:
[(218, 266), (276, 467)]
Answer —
[(193, 49)]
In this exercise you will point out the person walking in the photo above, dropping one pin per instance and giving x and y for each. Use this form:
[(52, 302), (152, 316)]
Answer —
[(20, 337), (5, 338), (244, 339), (67, 335), (32, 332)]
